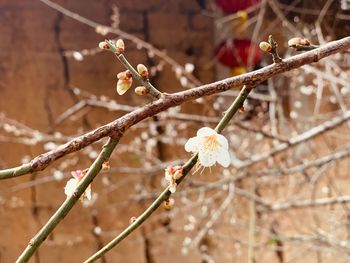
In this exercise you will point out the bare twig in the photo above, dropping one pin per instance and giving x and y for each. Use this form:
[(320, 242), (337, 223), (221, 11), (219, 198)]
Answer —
[(310, 203)]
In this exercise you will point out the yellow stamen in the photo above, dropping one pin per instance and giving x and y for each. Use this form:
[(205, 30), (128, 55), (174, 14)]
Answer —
[(211, 143)]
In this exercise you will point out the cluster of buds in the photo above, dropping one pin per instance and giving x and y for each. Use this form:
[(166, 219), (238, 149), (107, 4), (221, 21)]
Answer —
[(172, 174), (124, 81), (118, 47)]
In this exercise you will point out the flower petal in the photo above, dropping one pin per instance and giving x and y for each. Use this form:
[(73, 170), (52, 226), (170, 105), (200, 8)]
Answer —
[(167, 175), (207, 158), (223, 157), (123, 86), (205, 131), (223, 141), (172, 188), (71, 186), (192, 145)]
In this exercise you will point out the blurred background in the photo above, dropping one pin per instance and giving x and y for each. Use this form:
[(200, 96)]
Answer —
[(284, 198)]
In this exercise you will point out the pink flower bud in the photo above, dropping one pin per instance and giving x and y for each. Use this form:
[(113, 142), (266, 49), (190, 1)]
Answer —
[(142, 70), (120, 46), (141, 90), (103, 45), (124, 75)]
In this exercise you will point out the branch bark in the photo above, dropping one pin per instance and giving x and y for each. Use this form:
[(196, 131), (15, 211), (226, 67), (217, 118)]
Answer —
[(118, 126)]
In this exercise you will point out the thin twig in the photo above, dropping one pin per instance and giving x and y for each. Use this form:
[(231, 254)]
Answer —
[(139, 42)]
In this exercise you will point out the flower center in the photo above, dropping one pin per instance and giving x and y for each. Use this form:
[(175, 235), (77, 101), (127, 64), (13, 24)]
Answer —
[(211, 143)]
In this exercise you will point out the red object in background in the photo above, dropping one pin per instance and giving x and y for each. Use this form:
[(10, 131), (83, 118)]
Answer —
[(228, 51), (232, 6)]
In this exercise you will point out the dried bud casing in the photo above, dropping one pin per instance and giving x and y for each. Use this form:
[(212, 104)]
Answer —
[(123, 85), (295, 41), (264, 46), (124, 75), (120, 46), (142, 70), (141, 90), (103, 45)]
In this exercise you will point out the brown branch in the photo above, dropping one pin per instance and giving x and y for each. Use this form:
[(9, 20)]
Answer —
[(309, 203), (315, 131), (119, 126)]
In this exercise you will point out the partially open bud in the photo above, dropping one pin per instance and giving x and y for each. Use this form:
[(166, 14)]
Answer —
[(264, 46), (142, 70), (103, 45), (124, 75), (295, 41), (141, 90), (123, 85), (120, 46)]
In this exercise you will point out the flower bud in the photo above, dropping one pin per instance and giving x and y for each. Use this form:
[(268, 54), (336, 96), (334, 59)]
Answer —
[(132, 219), (124, 75), (123, 85), (103, 45), (106, 166), (142, 70), (169, 203), (141, 90), (264, 46), (295, 41), (120, 46)]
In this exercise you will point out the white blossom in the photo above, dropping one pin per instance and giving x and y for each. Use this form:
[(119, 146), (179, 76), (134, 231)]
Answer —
[(210, 146), (74, 182)]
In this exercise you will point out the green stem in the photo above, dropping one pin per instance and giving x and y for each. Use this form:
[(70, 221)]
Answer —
[(238, 103), (16, 171), (68, 203), (145, 82)]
